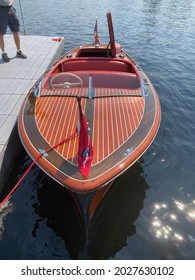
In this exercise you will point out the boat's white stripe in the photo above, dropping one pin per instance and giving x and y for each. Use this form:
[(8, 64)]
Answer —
[(71, 117), (55, 124), (41, 109), (112, 128), (107, 127), (102, 128), (135, 112), (138, 109), (74, 152), (119, 108), (45, 109), (124, 117), (116, 121), (60, 121), (98, 127), (66, 125), (128, 118), (48, 127)]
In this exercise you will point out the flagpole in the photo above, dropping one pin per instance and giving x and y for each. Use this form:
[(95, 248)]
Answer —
[(79, 104), (96, 36)]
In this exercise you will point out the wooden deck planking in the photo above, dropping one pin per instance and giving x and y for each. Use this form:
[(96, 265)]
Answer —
[(56, 119)]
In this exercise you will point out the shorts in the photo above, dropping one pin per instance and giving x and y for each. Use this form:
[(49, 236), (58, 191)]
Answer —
[(9, 18)]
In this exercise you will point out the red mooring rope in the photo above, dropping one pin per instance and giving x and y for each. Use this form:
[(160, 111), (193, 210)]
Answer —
[(33, 163)]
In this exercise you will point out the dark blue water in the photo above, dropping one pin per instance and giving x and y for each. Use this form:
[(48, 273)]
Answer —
[(150, 211)]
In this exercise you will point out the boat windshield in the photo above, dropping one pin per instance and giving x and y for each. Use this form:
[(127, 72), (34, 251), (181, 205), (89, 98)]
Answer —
[(100, 79)]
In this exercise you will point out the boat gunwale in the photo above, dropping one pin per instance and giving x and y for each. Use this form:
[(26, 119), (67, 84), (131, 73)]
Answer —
[(84, 189)]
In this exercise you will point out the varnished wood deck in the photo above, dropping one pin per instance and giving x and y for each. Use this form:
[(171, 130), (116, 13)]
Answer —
[(118, 124), (119, 117), (122, 120)]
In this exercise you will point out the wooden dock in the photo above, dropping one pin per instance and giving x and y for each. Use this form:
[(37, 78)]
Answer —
[(16, 78)]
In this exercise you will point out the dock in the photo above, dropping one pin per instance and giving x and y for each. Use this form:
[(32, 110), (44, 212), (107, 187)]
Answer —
[(16, 79)]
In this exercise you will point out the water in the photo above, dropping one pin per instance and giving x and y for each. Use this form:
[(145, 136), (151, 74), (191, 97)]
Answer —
[(150, 212)]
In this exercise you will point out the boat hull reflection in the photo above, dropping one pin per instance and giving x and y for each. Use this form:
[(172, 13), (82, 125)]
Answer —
[(111, 224)]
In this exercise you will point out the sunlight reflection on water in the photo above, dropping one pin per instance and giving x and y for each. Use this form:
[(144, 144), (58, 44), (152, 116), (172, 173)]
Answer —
[(165, 217)]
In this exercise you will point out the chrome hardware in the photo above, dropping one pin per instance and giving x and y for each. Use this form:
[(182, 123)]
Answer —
[(90, 87), (37, 91), (128, 152), (43, 153), (119, 55), (144, 89), (138, 67)]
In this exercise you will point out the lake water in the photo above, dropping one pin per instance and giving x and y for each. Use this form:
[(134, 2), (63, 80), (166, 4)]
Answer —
[(150, 212)]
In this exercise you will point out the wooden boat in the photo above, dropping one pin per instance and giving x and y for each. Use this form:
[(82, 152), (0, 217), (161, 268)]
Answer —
[(90, 117)]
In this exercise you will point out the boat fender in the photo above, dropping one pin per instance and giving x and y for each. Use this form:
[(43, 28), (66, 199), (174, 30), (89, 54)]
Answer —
[(58, 39)]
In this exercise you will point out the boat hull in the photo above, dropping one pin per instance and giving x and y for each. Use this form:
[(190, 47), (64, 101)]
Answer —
[(122, 122)]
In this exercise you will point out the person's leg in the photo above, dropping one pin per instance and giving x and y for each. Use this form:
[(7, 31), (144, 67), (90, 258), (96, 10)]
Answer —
[(2, 44), (14, 26), (19, 53), (2, 47), (3, 28), (17, 40)]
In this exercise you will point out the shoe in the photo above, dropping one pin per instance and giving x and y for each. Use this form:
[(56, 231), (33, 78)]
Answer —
[(5, 57), (20, 54)]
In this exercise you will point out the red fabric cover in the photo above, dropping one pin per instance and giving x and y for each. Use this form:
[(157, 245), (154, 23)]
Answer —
[(85, 153)]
